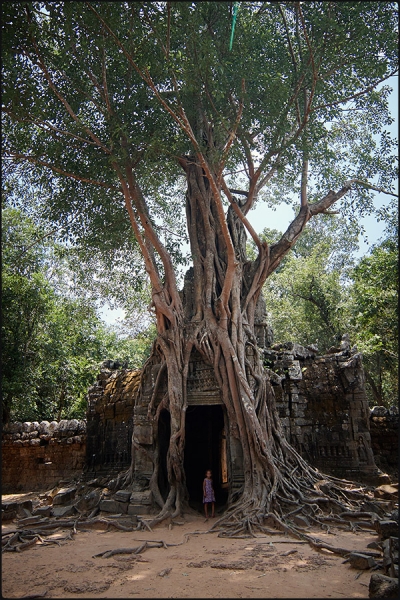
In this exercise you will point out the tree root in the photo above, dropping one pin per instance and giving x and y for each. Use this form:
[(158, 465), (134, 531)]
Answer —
[(12, 545), (146, 544)]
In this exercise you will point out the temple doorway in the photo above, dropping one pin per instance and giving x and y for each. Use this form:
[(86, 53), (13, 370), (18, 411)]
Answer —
[(205, 448)]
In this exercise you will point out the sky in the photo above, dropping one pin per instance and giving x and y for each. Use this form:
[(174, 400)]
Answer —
[(262, 217)]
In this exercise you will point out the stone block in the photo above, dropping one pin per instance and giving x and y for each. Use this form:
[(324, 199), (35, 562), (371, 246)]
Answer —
[(143, 434), (138, 509), (88, 501), (112, 506), (141, 497), (387, 492), (294, 371), (43, 428), (8, 515), (361, 561), (26, 505), (24, 513), (43, 511), (63, 511), (122, 496), (381, 586), (301, 521), (64, 496), (53, 427), (387, 529)]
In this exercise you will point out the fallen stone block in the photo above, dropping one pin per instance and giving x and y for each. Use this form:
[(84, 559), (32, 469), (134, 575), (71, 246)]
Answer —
[(141, 497), (387, 529), (64, 496), (8, 515), (112, 506), (381, 586), (89, 501), (302, 521), (63, 511), (23, 512), (138, 509), (44, 511), (123, 496), (387, 492), (361, 561)]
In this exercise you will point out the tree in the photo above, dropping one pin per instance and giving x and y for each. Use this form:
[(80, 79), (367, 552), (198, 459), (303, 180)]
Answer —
[(307, 296), (317, 294), (52, 343), (111, 103), (374, 304)]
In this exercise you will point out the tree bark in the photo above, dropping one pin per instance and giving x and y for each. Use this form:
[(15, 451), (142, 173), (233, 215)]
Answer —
[(277, 480)]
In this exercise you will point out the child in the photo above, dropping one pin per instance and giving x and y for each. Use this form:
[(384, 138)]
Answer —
[(208, 494)]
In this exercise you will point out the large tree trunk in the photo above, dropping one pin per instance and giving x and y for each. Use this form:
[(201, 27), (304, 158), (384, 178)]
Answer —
[(278, 483)]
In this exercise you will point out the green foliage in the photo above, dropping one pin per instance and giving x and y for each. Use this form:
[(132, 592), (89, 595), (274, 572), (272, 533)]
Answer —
[(52, 344), (318, 294), (53, 115), (374, 318), (306, 296), (79, 110)]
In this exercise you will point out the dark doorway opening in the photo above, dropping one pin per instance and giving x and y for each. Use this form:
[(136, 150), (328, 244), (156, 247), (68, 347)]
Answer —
[(164, 434), (205, 448)]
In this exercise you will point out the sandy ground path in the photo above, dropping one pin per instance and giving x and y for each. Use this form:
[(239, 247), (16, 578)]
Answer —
[(205, 566)]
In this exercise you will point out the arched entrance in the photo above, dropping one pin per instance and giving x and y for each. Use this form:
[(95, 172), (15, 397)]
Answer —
[(205, 448)]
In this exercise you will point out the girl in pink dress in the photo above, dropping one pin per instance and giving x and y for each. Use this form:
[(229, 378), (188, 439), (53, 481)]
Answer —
[(208, 494)]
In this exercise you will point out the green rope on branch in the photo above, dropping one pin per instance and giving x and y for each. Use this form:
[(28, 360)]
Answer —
[(234, 15)]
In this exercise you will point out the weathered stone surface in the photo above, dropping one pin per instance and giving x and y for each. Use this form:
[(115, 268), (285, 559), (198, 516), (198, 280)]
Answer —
[(138, 509), (387, 492), (35, 458), (358, 560), (387, 529), (25, 505), (112, 506), (64, 496), (24, 513), (300, 520), (122, 496), (63, 511), (141, 497), (88, 501), (43, 511), (381, 586)]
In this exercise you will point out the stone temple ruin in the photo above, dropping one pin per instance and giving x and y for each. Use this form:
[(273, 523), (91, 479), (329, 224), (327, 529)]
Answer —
[(321, 401)]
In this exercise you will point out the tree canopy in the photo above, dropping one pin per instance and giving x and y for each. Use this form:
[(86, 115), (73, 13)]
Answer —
[(91, 87), (109, 109)]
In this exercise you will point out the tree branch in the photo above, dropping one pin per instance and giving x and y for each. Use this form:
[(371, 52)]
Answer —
[(38, 161)]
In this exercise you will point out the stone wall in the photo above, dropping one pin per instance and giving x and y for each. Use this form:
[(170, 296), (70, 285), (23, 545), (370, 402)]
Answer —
[(110, 419), (320, 399), (37, 456), (384, 426), (323, 407)]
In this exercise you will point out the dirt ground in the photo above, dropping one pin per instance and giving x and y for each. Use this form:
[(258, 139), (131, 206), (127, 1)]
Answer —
[(204, 566)]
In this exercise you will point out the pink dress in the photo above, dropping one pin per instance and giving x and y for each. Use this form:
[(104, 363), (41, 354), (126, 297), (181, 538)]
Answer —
[(209, 497)]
